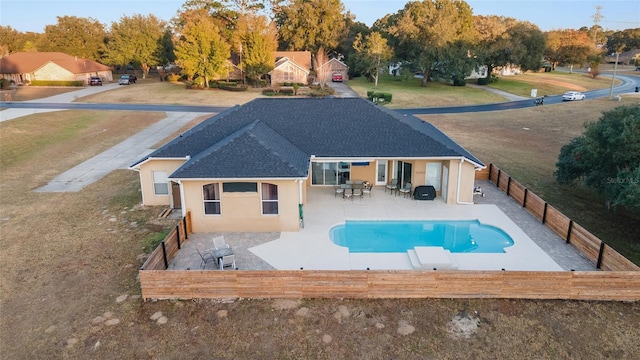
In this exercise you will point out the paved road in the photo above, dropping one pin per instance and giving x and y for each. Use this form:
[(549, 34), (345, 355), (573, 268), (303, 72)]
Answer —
[(139, 145)]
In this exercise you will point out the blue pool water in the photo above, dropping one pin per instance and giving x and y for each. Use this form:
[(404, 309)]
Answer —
[(467, 236)]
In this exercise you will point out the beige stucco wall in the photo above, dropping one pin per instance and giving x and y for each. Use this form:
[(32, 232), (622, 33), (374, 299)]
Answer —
[(242, 211), (146, 180), (299, 75), (466, 181), (364, 173)]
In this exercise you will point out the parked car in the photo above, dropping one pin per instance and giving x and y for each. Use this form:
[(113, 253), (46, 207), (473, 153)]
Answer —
[(337, 77), (573, 95), (95, 81), (127, 80)]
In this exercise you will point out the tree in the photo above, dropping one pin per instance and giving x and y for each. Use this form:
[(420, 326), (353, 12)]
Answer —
[(494, 41), (422, 29), (311, 25), (201, 50), (137, 40), (527, 46), (81, 37), (625, 40), (372, 54), (260, 42), (606, 157), (345, 51), (568, 47), (10, 40)]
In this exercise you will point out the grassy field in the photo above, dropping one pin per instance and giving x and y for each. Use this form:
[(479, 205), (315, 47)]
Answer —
[(69, 263)]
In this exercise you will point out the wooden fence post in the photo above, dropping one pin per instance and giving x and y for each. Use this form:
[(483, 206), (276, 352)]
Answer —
[(508, 185), (498, 179), (544, 213), (164, 256), (178, 234), (524, 198), (490, 170), (569, 231), (184, 224), (602, 245)]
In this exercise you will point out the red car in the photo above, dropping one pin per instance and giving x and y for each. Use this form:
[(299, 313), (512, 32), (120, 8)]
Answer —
[(336, 77)]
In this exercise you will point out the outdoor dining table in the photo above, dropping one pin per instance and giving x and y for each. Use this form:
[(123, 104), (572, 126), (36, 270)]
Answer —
[(351, 187), (219, 253)]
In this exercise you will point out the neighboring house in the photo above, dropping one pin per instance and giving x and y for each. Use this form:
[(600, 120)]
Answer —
[(24, 67), (248, 168), (291, 66), (334, 66)]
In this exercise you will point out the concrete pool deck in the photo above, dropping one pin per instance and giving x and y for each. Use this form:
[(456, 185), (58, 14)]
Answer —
[(535, 246)]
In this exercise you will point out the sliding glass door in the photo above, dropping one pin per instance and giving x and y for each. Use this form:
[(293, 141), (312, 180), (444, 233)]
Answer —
[(330, 173)]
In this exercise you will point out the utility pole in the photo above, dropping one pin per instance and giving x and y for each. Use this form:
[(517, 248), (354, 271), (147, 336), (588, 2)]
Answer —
[(613, 78), (596, 23)]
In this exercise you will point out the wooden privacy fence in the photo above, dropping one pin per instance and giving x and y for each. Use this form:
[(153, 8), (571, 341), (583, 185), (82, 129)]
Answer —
[(588, 244), (375, 284), (169, 247)]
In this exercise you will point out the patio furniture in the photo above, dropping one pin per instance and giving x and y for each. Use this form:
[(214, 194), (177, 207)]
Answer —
[(406, 189), (227, 260), (219, 243), (338, 190), (206, 257), (425, 192), (393, 186), (357, 192), (367, 189)]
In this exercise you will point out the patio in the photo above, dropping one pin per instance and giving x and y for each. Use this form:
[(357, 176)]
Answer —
[(535, 248)]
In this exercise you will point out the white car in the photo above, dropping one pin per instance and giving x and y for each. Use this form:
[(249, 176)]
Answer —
[(572, 95)]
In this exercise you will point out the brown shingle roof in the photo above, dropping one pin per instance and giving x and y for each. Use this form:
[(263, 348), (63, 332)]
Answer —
[(28, 62), (301, 58)]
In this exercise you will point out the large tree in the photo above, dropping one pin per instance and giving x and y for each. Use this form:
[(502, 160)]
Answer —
[(136, 40), (258, 45), (311, 25), (624, 40), (423, 29), (371, 54), (201, 51), (527, 46), (494, 41), (568, 46), (75, 36), (606, 157)]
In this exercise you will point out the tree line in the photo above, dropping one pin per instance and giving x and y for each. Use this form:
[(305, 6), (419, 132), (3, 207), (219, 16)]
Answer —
[(441, 39)]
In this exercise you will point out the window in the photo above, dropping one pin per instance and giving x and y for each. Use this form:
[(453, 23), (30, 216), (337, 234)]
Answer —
[(239, 187), (287, 73), (433, 175), (211, 196), (269, 199), (160, 183)]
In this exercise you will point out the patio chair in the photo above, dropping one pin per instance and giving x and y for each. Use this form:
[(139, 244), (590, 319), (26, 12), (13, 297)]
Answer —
[(393, 186), (219, 243), (206, 257), (406, 190), (338, 190), (226, 261), (357, 192), (367, 189)]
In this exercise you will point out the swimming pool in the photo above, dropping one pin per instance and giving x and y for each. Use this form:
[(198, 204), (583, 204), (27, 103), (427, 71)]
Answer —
[(460, 236)]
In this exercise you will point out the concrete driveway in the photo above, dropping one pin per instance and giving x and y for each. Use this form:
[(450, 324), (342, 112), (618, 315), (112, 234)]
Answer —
[(343, 90)]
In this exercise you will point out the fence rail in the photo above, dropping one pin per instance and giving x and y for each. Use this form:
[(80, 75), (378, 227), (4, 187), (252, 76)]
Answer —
[(583, 285), (594, 249), (169, 247)]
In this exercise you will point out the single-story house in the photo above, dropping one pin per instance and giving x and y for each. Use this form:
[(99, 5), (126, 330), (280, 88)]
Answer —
[(24, 67), (291, 66), (333, 66), (249, 168)]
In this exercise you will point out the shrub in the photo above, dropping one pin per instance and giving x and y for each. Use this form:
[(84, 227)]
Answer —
[(233, 87), (370, 93), (57, 83), (484, 81), (380, 97), (458, 82), (173, 77)]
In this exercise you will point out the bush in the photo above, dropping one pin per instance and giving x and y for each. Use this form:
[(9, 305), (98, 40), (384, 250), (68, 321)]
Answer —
[(370, 93), (484, 81), (233, 87), (57, 83), (458, 82), (173, 77)]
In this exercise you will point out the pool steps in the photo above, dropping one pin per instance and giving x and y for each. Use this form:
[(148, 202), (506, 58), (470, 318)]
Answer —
[(430, 257)]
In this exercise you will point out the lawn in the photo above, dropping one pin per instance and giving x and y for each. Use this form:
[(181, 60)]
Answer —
[(549, 83), (68, 284)]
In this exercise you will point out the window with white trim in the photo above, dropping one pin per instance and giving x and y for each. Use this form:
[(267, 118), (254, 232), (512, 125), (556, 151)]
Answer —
[(269, 199), (160, 183), (211, 197), (287, 73)]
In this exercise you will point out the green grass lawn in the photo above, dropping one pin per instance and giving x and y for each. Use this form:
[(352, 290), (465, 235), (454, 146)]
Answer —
[(554, 83)]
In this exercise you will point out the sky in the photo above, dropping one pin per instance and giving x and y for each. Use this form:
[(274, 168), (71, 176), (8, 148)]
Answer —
[(34, 15)]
